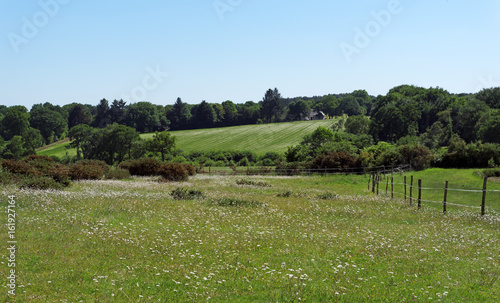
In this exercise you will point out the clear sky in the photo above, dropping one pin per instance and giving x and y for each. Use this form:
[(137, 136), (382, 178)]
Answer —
[(64, 51)]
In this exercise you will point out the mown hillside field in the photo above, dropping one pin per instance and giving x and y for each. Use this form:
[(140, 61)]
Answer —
[(289, 239), (261, 138)]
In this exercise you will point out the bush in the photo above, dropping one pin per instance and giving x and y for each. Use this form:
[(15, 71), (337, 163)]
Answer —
[(235, 202), (145, 167), (88, 170), (254, 183), (38, 157), (40, 183), (418, 156), (334, 160), (20, 167), (60, 173), (185, 194), (173, 172), (190, 169), (117, 174), (492, 172)]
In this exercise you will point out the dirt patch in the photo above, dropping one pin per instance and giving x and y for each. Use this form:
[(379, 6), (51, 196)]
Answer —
[(494, 179)]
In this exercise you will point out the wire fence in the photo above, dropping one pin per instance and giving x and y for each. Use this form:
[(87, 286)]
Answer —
[(413, 193), (307, 171)]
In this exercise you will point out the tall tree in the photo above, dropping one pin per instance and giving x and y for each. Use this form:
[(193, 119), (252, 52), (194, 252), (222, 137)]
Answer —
[(32, 139), (78, 114), (180, 115), (117, 111), (162, 143), (51, 124), (230, 113), (273, 108), (143, 116), (102, 117), (15, 122), (204, 115)]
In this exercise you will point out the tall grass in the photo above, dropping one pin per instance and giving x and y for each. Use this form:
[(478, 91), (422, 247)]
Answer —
[(122, 241)]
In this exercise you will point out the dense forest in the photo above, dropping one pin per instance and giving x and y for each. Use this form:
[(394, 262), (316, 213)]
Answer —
[(430, 118)]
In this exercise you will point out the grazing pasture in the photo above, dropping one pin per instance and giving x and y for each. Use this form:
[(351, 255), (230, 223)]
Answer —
[(247, 239)]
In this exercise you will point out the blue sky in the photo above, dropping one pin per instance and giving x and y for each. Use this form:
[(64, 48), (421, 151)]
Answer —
[(64, 51)]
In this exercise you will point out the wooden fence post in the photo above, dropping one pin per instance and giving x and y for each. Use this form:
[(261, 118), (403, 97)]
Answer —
[(445, 196), (387, 185), (419, 193), (392, 187), (411, 189), (378, 181), (483, 204), (373, 183), (405, 188)]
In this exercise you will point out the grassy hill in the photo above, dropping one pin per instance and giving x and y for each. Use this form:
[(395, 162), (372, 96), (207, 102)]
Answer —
[(260, 138)]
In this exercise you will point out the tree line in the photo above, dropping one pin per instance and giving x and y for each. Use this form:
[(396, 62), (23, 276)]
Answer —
[(432, 116)]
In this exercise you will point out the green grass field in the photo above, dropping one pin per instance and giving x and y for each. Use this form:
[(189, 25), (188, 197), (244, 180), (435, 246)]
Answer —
[(130, 241), (260, 138)]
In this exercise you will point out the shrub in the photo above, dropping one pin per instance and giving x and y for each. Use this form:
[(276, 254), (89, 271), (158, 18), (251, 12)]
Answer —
[(190, 169), (492, 172), (117, 174), (173, 172), (60, 173), (186, 194), (179, 159), (235, 202), (418, 156), (145, 167), (334, 160), (40, 183), (254, 183), (38, 157), (20, 167), (126, 164), (88, 170)]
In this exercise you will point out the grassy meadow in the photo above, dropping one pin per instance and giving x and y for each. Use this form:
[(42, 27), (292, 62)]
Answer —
[(307, 239), (261, 138)]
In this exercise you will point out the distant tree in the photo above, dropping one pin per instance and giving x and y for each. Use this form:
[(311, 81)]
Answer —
[(79, 135), (204, 115), (15, 122), (273, 108), (219, 113), (230, 113), (15, 148), (163, 143), (143, 116), (32, 139), (78, 114), (357, 125), (488, 127), (490, 96), (117, 111), (465, 114), (319, 137), (51, 124), (102, 116), (180, 115), (328, 105), (298, 110)]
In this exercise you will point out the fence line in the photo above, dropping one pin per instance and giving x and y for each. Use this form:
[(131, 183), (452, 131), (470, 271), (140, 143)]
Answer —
[(375, 180), (301, 171)]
